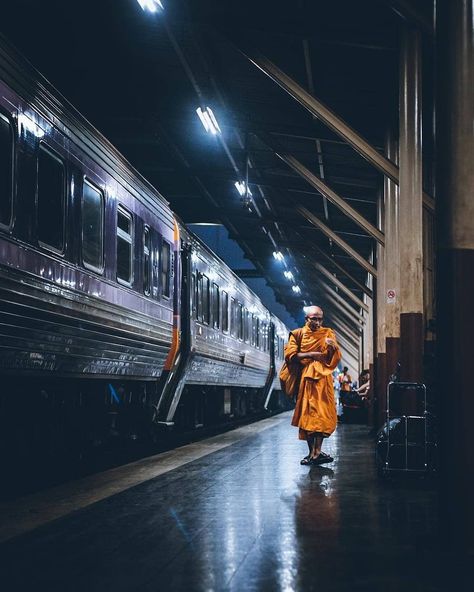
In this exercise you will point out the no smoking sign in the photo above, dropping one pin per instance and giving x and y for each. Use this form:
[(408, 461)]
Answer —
[(391, 296)]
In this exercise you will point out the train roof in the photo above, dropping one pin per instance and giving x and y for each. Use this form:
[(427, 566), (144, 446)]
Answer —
[(34, 88)]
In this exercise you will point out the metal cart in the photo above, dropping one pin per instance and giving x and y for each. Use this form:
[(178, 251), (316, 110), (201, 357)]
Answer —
[(407, 442)]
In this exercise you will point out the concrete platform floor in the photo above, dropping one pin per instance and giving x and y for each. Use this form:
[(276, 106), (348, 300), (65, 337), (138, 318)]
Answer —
[(235, 513)]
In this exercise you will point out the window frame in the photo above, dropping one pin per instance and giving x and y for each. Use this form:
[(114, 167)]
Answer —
[(47, 149), (147, 286), (161, 284), (9, 120), (215, 300), (85, 264), (225, 312), (128, 238)]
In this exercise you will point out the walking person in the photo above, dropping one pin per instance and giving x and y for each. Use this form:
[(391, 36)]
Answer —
[(316, 349)]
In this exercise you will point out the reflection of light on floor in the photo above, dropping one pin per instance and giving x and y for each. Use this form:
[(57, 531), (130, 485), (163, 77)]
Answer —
[(230, 543), (286, 548)]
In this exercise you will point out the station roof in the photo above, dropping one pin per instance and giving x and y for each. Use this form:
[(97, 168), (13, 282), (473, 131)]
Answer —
[(139, 78)]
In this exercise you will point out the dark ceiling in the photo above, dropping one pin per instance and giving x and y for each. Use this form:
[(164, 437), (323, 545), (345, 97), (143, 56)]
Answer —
[(139, 78)]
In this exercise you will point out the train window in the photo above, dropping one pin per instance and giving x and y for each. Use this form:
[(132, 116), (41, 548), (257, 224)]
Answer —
[(155, 264), (265, 333), (203, 313), (92, 227), (6, 170), (50, 199), (240, 321), (225, 311), (124, 245), (147, 273), (205, 299), (247, 318), (233, 328), (215, 306), (193, 295), (165, 269), (255, 331)]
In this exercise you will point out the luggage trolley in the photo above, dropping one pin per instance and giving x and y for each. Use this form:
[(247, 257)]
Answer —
[(406, 443)]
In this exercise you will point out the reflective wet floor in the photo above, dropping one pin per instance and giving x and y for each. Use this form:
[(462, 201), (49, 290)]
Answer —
[(247, 517)]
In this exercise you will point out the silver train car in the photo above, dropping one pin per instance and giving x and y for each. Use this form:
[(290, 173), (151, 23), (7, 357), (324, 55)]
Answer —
[(112, 314)]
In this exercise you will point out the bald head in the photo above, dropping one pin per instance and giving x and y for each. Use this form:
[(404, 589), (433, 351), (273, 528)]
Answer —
[(309, 311), (313, 317)]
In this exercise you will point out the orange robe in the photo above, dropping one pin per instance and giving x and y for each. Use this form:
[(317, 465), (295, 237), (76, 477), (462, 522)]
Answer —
[(315, 409)]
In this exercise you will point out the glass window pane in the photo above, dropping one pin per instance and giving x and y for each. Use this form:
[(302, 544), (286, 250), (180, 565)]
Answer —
[(6, 170), (92, 227), (240, 321), (232, 317), (165, 268), (215, 306), (247, 319), (225, 311), (205, 299), (124, 246), (193, 296), (147, 261), (51, 199)]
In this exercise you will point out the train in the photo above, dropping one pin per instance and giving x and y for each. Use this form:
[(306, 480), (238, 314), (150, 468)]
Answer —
[(114, 317)]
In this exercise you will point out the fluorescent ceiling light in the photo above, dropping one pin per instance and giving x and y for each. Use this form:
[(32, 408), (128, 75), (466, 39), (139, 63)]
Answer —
[(208, 120), (288, 275), (151, 5), (296, 289), (242, 188), (278, 256)]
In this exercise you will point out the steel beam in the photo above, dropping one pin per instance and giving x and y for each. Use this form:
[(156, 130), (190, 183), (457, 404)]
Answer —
[(338, 266), (337, 298), (332, 196), (341, 286), (339, 241), (336, 123), (350, 335)]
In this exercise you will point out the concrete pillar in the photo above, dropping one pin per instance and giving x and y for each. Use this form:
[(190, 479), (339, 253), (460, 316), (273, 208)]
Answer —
[(391, 298), (411, 207), (368, 362), (455, 277), (379, 380)]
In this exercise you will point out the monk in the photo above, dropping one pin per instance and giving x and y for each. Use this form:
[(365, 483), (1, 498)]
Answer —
[(316, 349)]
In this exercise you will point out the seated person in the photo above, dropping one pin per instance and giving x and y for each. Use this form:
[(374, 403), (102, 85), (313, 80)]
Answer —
[(364, 383), (357, 397)]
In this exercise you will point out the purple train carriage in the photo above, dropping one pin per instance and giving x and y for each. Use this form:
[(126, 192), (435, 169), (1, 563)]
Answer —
[(113, 316)]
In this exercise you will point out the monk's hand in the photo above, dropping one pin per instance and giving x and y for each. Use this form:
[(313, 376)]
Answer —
[(317, 356), (330, 343)]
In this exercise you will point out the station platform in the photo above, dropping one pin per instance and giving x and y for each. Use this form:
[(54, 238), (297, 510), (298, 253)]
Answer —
[(236, 512)]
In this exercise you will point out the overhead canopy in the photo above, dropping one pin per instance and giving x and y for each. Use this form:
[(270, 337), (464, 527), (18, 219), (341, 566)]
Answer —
[(139, 78)]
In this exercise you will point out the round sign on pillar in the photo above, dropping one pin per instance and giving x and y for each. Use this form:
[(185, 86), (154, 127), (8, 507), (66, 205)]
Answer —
[(391, 296)]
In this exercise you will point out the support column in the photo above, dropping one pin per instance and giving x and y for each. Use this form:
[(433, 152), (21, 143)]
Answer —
[(368, 363), (391, 298), (379, 381), (455, 279), (411, 207)]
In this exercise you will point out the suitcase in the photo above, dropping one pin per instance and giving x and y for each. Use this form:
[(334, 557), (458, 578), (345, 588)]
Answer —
[(407, 442)]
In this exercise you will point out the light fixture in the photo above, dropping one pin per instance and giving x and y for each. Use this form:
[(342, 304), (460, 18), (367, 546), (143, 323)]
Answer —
[(208, 120), (288, 275), (151, 5), (278, 255), (296, 289), (242, 188)]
